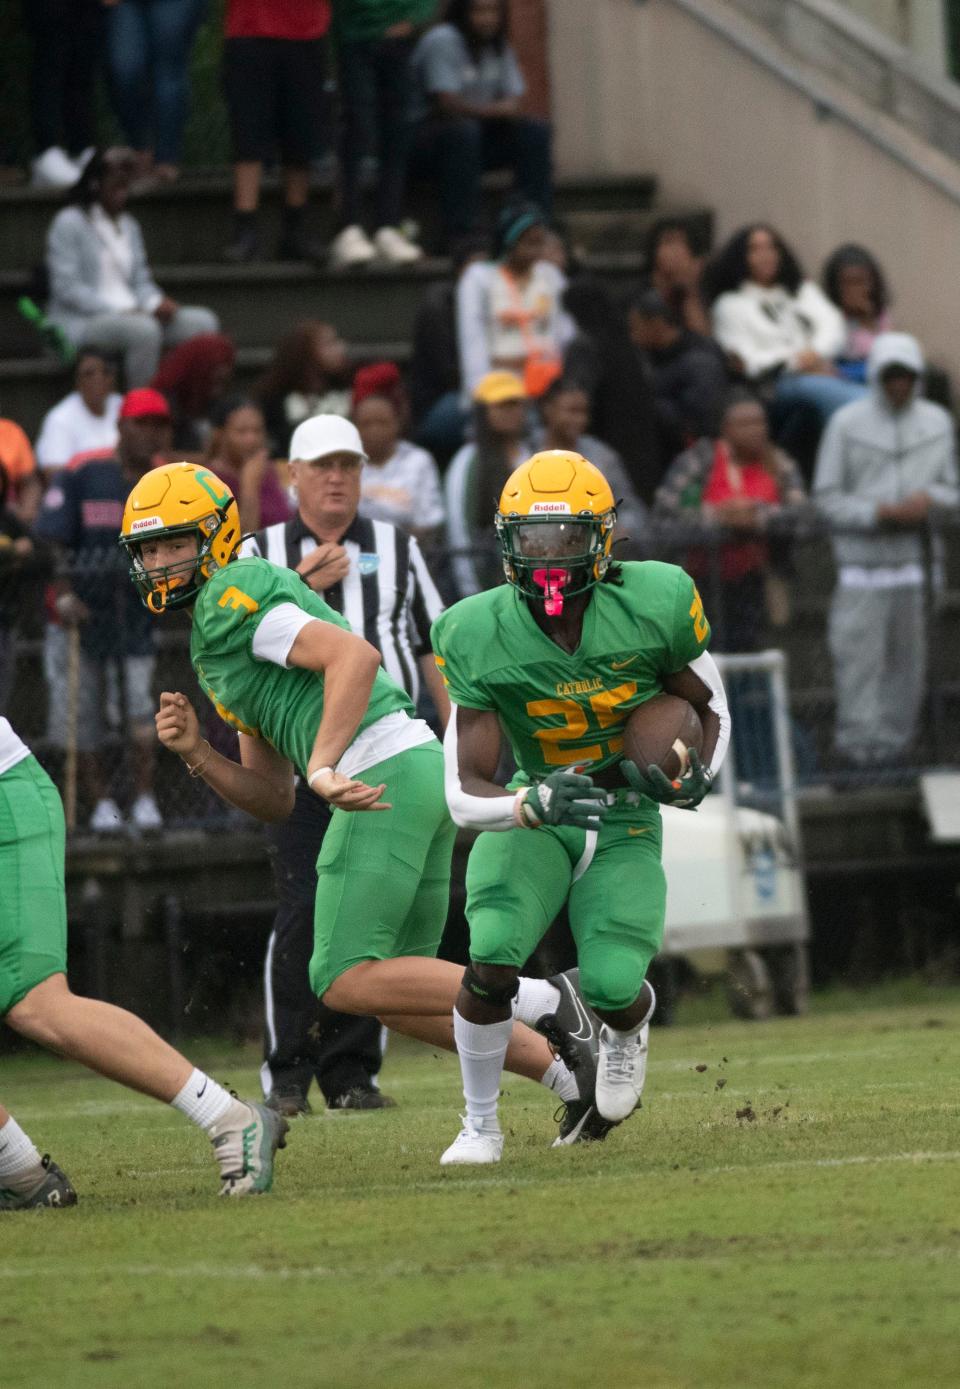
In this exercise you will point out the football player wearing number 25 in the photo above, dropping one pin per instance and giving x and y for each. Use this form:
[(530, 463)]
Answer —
[(558, 657), (303, 692)]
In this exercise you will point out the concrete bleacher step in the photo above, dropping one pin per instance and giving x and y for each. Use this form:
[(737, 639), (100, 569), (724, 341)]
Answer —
[(256, 305), (189, 222)]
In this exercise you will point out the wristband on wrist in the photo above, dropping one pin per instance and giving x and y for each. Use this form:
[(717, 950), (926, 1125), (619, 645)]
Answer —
[(197, 767), (319, 772)]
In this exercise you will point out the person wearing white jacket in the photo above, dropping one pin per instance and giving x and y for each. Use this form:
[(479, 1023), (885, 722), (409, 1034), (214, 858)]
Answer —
[(886, 464), (779, 328)]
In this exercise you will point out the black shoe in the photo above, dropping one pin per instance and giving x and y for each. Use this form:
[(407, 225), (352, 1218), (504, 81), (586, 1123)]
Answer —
[(288, 1100), (362, 1097), (580, 1122), (54, 1191), (244, 247), (573, 1032)]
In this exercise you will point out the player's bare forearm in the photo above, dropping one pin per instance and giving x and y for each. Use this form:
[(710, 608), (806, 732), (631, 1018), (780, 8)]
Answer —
[(262, 786), (688, 685)]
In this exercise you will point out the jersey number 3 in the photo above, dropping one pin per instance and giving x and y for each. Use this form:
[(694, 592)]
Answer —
[(603, 706)]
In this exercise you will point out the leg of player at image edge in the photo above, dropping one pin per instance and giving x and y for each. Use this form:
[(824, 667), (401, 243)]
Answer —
[(555, 1008)]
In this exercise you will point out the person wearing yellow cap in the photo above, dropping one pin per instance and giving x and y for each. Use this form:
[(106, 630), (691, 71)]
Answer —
[(477, 472)]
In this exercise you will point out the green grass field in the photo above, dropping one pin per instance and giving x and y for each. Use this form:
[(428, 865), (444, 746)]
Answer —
[(814, 1240)]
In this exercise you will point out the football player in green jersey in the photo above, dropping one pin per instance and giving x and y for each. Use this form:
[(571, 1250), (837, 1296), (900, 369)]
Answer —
[(305, 693), (557, 658)]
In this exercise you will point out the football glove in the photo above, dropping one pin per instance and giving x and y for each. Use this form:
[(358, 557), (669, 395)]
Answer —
[(685, 792), (564, 798)]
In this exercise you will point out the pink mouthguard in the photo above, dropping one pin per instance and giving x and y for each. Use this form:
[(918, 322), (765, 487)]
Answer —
[(552, 581)]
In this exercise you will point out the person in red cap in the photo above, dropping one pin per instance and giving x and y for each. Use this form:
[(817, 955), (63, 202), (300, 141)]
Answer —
[(81, 514)]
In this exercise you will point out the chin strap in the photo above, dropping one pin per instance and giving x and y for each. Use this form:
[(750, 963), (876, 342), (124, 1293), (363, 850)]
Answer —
[(552, 582)]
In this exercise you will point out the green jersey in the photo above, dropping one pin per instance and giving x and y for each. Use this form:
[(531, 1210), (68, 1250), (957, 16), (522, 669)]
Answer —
[(280, 703), (559, 708)]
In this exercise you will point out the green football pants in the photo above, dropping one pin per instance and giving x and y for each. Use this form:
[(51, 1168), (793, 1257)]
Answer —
[(383, 877), (33, 907), (612, 879)]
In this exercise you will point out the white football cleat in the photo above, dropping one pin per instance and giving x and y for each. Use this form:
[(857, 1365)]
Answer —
[(621, 1072), (474, 1145), (351, 248), (395, 248)]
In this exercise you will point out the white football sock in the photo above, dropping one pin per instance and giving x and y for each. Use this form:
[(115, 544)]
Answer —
[(482, 1049), (534, 998), (20, 1166), (560, 1079), (203, 1101)]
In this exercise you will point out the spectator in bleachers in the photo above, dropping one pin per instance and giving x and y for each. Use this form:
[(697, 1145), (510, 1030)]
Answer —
[(274, 68), (19, 557), (602, 359), (85, 421), (309, 375), (854, 282), (195, 377), (740, 483), (439, 413), (510, 314), (468, 117), (66, 37), (81, 514), (886, 465), (102, 293), (477, 473), (374, 44), (778, 328), (687, 372), (148, 60), (239, 456), (565, 412), (16, 458), (675, 271), (399, 482)]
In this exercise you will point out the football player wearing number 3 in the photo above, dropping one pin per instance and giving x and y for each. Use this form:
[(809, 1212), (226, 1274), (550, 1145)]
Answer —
[(285, 670), (557, 658)]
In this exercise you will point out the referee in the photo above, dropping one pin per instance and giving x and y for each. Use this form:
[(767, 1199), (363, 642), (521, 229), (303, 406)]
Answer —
[(375, 575)]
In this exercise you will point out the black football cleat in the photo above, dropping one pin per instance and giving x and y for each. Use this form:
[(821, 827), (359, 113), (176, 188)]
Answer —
[(573, 1032), (53, 1191), (361, 1097), (289, 1101), (580, 1122)]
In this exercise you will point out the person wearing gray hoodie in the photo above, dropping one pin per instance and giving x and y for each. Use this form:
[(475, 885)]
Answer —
[(886, 464)]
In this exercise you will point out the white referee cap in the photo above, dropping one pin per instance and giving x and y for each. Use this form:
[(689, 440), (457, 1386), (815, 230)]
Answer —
[(323, 435)]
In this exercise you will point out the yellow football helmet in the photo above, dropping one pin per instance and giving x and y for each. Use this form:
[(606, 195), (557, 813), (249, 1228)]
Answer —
[(555, 526), (179, 499)]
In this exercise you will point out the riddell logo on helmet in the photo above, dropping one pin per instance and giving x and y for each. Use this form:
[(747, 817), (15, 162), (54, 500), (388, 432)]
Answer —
[(146, 523), (550, 508)]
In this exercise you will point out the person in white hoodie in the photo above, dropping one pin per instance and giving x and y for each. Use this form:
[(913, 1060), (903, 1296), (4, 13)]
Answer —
[(778, 328), (886, 465)]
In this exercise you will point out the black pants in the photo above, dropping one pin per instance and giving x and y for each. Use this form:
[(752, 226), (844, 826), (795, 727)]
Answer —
[(67, 38), (303, 1038), (457, 149), (374, 81)]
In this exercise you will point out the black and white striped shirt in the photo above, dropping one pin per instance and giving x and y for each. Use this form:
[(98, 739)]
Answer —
[(387, 596)]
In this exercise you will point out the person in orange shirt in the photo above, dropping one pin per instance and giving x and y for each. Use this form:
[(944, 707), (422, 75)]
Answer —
[(20, 466)]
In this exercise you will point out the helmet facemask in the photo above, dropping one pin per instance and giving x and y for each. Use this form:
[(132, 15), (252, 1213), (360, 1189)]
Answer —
[(552, 558), (174, 585)]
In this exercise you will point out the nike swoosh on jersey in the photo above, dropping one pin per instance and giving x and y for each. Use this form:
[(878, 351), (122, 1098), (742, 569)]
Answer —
[(619, 665), (579, 1035), (632, 829)]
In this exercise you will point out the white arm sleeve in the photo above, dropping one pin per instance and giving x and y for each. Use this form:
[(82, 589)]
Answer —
[(706, 668), (278, 630), (472, 812)]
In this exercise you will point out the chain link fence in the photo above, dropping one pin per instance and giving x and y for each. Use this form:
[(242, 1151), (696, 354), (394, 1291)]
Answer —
[(83, 696)]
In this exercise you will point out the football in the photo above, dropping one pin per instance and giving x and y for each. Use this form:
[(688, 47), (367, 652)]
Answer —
[(660, 732)]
